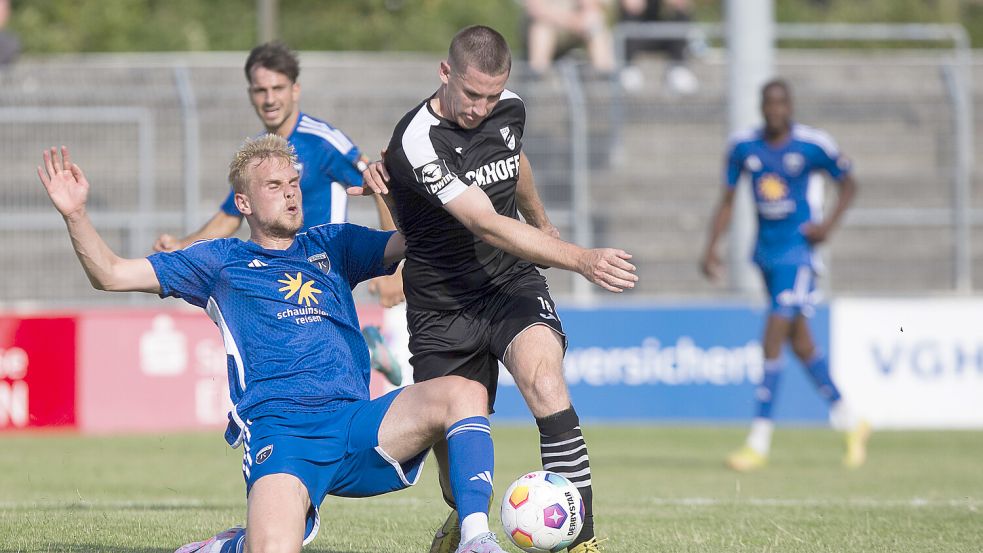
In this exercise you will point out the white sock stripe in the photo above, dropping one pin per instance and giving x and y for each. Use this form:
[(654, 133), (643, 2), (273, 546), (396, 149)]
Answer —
[(584, 484), (469, 428), (543, 443), (568, 452), (578, 461), (573, 475)]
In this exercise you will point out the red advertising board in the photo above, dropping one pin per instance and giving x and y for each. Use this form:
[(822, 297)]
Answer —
[(37, 372), (119, 371)]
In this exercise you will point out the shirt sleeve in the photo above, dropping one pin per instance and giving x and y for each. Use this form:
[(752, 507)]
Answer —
[(827, 156), (190, 273), (229, 205), (734, 165), (343, 168), (424, 165), (357, 250)]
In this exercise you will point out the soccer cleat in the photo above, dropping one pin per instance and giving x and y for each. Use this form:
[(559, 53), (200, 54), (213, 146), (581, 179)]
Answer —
[(380, 358), (448, 536), (856, 445), (746, 459), (212, 544), (592, 545), (482, 543)]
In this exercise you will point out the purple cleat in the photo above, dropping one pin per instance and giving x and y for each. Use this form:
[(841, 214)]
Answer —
[(211, 545), (482, 543)]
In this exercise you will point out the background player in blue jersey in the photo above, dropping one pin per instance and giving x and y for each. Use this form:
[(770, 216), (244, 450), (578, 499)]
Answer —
[(780, 159), (298, 366), (328, 162)]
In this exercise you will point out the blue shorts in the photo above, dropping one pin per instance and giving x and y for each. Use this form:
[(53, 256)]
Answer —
[(334, 453), (792, 289)]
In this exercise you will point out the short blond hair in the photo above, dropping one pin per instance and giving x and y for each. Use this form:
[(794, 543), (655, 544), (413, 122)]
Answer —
[(258, 149)]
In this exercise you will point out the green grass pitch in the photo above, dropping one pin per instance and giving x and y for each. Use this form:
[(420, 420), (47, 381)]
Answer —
[(656, 488)]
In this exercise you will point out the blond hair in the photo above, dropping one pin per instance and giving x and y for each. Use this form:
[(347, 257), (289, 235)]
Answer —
[(258, 149)]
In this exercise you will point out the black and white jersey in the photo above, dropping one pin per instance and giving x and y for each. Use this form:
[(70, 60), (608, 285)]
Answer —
[(431, 161)]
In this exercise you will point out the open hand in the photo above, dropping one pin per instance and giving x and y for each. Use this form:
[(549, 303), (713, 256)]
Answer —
[(609, 268), (63, 181)]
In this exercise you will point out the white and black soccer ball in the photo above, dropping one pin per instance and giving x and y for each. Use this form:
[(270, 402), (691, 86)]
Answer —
[(542, 512)]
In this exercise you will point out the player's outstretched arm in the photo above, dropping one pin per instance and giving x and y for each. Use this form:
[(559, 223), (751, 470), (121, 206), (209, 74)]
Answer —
[(607, 267), (710, 263), (221, 225), (68, 189)]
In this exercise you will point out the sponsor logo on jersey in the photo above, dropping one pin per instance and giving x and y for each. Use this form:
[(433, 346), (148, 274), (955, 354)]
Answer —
[(294, 286), (773, 197), (434, 175), (508, 137), (793, 163), (495, 171), (256, 264), (264, 454), (322, 261)]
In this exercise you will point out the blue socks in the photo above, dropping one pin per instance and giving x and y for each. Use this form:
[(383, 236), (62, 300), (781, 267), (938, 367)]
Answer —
[(472, 462), (819, 371), (766, 391)]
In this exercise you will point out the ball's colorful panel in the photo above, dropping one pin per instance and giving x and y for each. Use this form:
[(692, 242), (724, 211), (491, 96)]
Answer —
[(521, 538), (554, 516), (518, 496), (556, 479)]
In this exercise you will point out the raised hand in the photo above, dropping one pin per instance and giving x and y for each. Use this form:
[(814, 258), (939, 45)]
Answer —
[(167, 243), (63, 181), (609, 268), (374, 179)]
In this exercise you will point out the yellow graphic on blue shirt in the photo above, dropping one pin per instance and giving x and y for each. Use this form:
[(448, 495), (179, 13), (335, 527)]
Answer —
[(772, 188), (305, 290)]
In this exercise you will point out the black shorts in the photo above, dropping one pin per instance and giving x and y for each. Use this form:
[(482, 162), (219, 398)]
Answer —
[(470, 342)]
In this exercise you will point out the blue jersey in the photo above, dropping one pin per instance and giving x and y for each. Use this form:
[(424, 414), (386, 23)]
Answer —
[(328, 163), (780, 177), (287, 317)]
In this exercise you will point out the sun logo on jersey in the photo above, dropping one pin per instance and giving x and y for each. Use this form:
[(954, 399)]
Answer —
[(295, 285), (771, 188)]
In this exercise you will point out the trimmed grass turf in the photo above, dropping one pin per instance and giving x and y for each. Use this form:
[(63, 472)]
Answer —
[(657, 489)]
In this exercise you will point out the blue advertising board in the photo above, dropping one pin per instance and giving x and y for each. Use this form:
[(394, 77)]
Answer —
[(681, 363)]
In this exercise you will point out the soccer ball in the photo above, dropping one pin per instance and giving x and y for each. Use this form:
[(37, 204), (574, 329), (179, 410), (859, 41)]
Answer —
[(542, 512)]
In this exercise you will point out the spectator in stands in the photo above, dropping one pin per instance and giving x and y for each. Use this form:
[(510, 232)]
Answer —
[(780, 158), (9, 44), (678, 77), (554, 21)]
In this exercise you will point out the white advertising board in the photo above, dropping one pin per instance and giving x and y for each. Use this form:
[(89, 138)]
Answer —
[(910, 363)]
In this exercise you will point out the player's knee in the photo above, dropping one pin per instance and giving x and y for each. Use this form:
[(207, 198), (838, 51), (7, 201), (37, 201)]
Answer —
[(466, 397)]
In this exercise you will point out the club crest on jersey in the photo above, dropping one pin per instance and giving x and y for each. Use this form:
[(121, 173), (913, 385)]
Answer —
[(508, 137), (753, 163), (434, 175), (793, 163), (322, 261), (264, 454)]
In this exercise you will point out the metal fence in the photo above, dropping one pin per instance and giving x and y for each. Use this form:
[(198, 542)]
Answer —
[(637, 170)]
